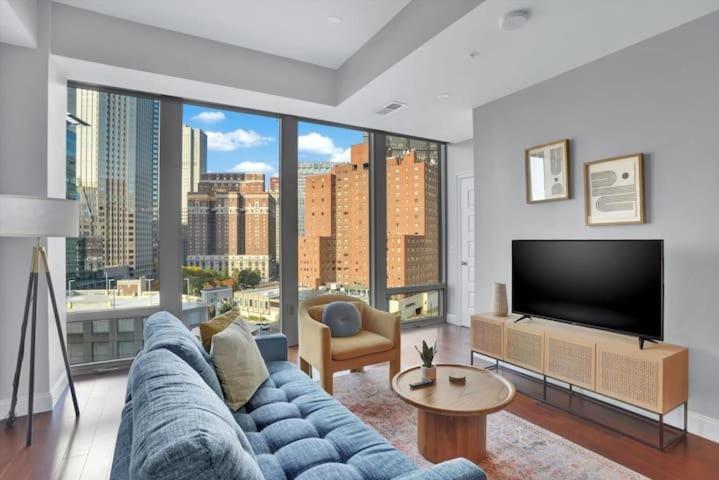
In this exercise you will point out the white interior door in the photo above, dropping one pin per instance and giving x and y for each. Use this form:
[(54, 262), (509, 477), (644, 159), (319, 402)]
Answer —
[(466, 249)]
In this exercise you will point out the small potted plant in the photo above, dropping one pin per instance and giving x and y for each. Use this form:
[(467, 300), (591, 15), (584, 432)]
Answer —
[(428, 370)]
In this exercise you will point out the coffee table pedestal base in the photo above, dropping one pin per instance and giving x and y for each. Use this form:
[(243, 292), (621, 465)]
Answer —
[(443, 437)]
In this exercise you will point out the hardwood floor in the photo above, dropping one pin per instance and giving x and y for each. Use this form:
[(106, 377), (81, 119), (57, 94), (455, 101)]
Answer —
[(66, 449)]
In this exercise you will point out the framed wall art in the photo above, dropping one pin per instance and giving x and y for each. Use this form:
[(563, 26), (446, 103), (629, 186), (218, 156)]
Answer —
[(614, 190), (547, 172)]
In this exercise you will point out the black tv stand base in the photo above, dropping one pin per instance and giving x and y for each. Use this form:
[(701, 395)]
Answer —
[(642, 340), (523, 317)]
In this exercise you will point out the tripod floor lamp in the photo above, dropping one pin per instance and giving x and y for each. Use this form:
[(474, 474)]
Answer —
[(35, 217)]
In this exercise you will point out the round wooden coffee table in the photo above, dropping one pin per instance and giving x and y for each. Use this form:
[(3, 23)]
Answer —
[(452, 418)]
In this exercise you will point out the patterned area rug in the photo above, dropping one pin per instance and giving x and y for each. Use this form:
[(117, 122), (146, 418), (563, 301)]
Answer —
[(516, 449)]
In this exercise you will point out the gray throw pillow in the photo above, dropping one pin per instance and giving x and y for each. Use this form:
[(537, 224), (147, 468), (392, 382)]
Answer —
[(343, 318)]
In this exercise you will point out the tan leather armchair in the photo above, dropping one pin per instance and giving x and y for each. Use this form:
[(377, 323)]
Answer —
[(377, 342)]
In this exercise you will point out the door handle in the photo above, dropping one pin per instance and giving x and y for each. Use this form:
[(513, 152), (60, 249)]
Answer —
[(464, 264)]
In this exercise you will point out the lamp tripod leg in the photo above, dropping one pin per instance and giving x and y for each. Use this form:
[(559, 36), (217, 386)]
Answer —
[(33, 328), (51, 289), (10, 421)]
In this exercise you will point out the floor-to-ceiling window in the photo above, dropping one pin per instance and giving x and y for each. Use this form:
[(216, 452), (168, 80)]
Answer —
[(222, 198), (230, 214), (333, 211)]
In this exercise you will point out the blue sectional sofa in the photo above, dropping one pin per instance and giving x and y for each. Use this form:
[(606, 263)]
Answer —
[(175, 424)]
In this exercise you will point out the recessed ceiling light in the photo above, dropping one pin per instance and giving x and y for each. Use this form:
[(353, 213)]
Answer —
[(334, 20), (514, 20), (473, 55), (443, 96)]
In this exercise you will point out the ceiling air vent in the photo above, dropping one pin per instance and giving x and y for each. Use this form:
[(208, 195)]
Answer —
[(391, 107)]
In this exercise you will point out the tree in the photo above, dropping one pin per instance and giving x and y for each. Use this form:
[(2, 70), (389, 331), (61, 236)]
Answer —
[(248, 278), (202, 278)]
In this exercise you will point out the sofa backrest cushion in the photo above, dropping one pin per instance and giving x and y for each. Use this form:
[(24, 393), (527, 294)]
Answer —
[(163, 330), (180, 428)]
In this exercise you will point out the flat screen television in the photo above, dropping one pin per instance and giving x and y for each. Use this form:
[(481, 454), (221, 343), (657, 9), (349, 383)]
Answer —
[(615, 285)]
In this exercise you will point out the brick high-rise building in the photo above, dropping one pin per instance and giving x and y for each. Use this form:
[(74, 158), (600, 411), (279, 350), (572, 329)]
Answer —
[(335, 245), (317, 247), (231, 224), (412, 220), (304, 170)]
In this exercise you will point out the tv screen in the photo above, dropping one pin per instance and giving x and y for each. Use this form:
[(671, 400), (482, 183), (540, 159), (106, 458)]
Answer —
[(609, 284)]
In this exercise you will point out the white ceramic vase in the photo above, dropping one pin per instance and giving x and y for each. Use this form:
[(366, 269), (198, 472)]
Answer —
[(499, 300), (429, 373)]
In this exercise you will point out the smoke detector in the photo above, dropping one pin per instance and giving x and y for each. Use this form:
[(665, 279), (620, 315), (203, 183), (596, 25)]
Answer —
[(514, 20), (391, 107)]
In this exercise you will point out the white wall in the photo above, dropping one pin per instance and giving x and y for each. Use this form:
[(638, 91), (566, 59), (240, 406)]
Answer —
[(24, 148), (658, 97), (460, 162)]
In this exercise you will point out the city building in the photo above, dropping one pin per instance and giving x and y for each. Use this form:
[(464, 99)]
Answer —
[(412, 220), (304, 170), (275, 193), (231, 224), (116, 170), (335, 246), (194, 162)]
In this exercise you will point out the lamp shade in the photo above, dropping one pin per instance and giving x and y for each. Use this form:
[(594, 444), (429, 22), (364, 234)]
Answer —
[(24, 216)]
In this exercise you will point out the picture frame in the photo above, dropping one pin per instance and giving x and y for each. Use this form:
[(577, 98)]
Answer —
[(547, 173), (614, 191)]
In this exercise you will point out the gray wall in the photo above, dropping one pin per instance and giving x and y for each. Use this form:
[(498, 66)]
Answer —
[(460, 161), (658, 97)]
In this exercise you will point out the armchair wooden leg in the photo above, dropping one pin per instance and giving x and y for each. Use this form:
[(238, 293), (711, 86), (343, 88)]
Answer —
[(306, 367), (394, 368), (326, 381)]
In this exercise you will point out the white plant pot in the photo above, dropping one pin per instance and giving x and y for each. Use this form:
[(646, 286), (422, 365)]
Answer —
[(429, 373)]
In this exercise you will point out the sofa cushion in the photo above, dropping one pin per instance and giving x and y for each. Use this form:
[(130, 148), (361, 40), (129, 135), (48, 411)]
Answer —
[(238, 363), (181, 429), (360, 345), (343, 318), (162, 330), (299, 432), (210, 328)]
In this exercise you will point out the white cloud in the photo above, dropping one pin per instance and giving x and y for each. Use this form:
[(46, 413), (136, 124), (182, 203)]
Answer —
[(342, 156), (209, 116), (318, 144), (240, 138), (253, 167)]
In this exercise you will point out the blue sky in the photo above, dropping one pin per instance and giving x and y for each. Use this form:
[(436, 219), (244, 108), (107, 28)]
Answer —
[(241, 142)]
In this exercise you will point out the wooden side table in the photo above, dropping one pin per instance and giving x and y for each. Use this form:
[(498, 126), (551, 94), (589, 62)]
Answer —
[(452, 418)]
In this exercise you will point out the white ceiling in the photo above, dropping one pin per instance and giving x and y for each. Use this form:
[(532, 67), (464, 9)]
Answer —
[(561, 35), (18, 22), (297, 29)]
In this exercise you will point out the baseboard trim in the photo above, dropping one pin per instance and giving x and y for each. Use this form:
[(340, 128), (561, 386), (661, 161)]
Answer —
[(43, 403), (58, 389), (452, 319), (703, 426)]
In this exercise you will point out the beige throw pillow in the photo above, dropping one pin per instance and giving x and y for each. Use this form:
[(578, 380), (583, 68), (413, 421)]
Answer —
[(238, 363)]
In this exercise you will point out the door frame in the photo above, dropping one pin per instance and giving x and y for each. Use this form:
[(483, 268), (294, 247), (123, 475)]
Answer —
[(458, 245)]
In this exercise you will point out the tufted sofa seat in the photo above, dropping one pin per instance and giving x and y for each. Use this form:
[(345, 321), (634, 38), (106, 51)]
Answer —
[(175, 424)]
